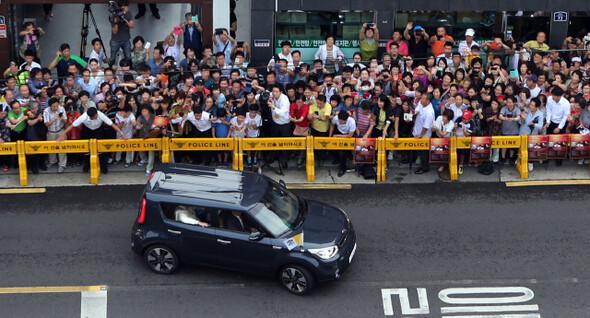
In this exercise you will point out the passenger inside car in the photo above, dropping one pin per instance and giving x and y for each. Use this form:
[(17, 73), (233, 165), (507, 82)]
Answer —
[(188, 215)]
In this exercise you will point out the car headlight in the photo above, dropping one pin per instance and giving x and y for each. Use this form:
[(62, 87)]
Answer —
[(324, 252)]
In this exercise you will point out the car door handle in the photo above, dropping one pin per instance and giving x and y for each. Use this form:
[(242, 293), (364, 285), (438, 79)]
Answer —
[(223, 241), (174, 231), (277, 247)]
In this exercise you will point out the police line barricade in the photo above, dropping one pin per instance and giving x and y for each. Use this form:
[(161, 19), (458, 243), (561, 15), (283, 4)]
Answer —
[(266, 144), (519, 142), (116, 145), (332, 143), (202, 144), (45, 147), (403, 144), (381, 159)]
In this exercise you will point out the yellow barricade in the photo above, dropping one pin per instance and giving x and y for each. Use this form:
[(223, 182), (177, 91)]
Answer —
[(381, 159), (8, 148), (453, 158), (66, 146), (523, 157), (94, 163), (22, 162), (202, 144), (134, 144), (505, 141), (407, 144), (310, 160), (262, 144), (332, 143), (464, 142), (166, 156), (238, 155)]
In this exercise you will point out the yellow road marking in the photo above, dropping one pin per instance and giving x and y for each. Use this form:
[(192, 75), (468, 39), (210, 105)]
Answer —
[(50, 289), (546, 182), (335, 186), (21, 190)]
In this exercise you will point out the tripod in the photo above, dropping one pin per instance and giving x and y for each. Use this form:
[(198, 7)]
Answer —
[(84, 34)]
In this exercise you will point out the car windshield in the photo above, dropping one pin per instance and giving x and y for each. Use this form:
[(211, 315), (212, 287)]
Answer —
[(278, 210)]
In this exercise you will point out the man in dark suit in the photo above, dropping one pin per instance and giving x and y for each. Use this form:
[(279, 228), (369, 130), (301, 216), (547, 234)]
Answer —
[(192, 35), (236, 222)]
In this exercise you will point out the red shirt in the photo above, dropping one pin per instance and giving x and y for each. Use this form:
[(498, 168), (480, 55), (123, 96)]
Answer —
[(76, 132), (297, 112)]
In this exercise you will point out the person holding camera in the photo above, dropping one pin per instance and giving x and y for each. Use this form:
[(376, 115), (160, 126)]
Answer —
[(223, 42), (439, 41), (191, 31), (330, 54), (55, 119), (369, 37), (29, 37), (121, 23), (417, 42)]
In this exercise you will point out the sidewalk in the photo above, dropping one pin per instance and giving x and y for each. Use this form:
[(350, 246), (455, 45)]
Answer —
[(396, 174)]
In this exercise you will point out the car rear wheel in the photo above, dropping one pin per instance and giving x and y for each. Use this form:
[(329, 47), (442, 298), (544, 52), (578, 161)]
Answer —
[(161, 259), (297, 279)]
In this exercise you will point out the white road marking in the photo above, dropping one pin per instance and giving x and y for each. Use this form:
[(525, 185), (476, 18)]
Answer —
[(469, 309), (527, 295), (498, 316), (94, 304)]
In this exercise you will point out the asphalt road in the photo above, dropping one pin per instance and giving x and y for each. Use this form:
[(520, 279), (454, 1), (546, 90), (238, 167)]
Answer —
[(526, 247)]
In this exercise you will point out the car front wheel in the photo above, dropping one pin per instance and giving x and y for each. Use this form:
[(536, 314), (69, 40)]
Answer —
[(161, 259), (297, 279)]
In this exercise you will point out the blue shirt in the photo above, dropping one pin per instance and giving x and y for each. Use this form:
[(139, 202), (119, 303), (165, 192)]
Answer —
[(155, 67), (221, 129), (91, 87)]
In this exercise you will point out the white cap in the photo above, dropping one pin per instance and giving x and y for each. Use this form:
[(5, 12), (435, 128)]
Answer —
[(469, 32), (577, 59)]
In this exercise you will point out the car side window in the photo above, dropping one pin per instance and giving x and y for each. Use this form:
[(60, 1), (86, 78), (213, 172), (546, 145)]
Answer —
[(190, 214), (238, 221)]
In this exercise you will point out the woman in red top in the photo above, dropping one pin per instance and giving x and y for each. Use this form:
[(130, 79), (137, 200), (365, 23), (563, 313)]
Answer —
[(298, 113)]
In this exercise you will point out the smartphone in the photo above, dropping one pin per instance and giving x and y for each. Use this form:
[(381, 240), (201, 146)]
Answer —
[(147, 45), (240, 43), (277, 66), (370, 25), (195, 18), (177, 30), (508, 35)]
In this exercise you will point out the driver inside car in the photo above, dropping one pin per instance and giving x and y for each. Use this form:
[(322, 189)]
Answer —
[(188, 215), (236, 222)]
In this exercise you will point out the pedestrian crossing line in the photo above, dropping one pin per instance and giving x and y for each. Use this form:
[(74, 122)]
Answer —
[(21, 190), (546, 182), (52, 289)]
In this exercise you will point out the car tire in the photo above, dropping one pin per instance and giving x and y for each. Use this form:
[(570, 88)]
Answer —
[(296, 279), (161, 259)]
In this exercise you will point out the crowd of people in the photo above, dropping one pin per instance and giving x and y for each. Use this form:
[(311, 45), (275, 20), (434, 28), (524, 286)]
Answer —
[(423, 86)]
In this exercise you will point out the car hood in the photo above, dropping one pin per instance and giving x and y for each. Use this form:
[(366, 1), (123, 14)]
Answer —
[(324, 224)]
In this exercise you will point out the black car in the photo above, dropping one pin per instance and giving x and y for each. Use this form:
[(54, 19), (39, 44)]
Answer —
[(241, 221)]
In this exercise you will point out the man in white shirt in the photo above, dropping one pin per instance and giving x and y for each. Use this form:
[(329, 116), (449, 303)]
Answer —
[(201, 121), (92, 128), (558, 109), (281, 122), (447, 55), (55, 119), (531, 84), (465, 46), (423, 129), (343, 126)]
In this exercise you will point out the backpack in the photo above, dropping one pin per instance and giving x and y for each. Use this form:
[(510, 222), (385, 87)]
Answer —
[(368, 172), (486, 168)]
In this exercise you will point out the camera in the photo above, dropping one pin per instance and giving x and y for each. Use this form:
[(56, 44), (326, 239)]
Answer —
[(297, 69), (418, 32), (536, 120), (263, 97), (218, 31), (519, 45), (370, 25), (60, 114), (111, 98), (36, 32), (240, 43), (116, 11)]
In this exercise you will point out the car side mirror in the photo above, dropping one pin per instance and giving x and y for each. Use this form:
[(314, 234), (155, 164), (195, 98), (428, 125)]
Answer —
[(256, 236), (283, 184)]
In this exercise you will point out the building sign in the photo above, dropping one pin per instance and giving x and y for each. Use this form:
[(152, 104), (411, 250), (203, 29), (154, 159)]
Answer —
[(262, 43), (308, 47), (3, 32), (560, 16)]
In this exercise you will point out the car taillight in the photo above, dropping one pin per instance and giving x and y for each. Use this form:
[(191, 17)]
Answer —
[(151, 176), (141, 218)]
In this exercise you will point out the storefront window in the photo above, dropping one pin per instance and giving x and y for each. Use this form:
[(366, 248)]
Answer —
[(307, 30)]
